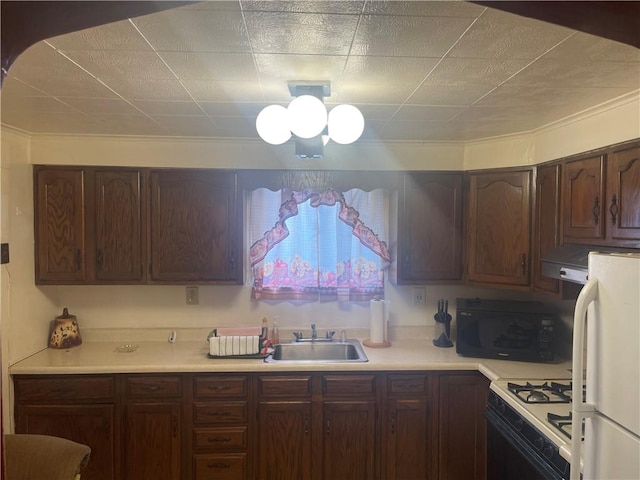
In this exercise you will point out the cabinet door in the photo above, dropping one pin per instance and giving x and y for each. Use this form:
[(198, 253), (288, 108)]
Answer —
[(623, 195), (349, 439), (152, 446), (285, 440), (430, 230), (408, 445), (582, 201), (547, 224), (118, 222), (60, 228), (499, 227), (92, 425), (194, 223), (462, 426)]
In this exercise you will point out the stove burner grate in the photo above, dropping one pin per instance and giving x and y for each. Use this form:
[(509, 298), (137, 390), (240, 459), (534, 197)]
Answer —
[(541, 393), (562, 423)]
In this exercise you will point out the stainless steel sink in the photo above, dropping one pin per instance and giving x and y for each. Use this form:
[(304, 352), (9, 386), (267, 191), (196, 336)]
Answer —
[(348, 351)]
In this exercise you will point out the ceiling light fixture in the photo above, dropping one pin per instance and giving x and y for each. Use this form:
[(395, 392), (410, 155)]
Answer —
[(306, 118)]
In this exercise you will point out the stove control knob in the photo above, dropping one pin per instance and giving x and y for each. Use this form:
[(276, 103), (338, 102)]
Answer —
[(501, 407), (539, 443), (548, 451)]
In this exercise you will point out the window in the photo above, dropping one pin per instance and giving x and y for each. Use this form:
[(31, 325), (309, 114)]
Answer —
[(318, 245)]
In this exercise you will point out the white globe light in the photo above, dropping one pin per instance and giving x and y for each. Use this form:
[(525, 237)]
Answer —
[(346, 124), (307, 116), (272, 125)]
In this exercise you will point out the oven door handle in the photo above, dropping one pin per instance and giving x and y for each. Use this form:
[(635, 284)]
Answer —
[(580, 408)]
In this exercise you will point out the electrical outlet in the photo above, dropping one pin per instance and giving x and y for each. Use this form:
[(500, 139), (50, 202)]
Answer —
[(419, 296), (192, 295)]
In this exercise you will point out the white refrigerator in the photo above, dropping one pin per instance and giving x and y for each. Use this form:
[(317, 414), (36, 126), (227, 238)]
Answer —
[(607, 318)]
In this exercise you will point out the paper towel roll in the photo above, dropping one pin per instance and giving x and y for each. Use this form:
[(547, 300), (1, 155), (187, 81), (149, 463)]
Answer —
[(376, 319)]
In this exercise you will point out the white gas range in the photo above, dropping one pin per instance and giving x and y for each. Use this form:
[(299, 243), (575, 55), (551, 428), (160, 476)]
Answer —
[(534, 417)]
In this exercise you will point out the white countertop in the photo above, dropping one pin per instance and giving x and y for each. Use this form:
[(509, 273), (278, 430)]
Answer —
[(191, 356)]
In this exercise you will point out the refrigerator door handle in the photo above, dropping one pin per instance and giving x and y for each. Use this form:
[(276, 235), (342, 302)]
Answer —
[(581, 409)]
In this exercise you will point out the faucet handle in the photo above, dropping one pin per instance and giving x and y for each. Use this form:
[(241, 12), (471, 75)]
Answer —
[(343, 335), (330, 334), (298, 335)]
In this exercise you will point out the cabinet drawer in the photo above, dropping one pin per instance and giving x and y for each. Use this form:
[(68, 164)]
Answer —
[(219, 412), (220, 467), (349, 384), (211, 387), (216, 439), (76, 389), (284, 386), (154, 387), (407, 384)]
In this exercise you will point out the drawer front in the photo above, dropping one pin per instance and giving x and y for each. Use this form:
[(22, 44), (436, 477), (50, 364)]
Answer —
[(285, 386), (220, 467), (154, 387), (349, 384), (219, 386), (74, 389), (212, 413), (399, 384), (216, 439)]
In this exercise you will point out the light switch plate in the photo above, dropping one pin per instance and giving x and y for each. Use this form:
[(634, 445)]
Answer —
[(192, 295), (419, 296)]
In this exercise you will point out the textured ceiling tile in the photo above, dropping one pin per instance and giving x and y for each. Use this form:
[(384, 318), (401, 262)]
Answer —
[(185, 125), (386, 70), (373, 93), (111, 66), (197, 30), (210, 91), (282, 68), (551, 96), (474, 71), (161, 107), (448, 94), (232, 5), (488, 38), (589, 48), (13, 88), (112, 36), (300, 32), (348, 7), (129, 125), (425, 113), (211, 65), (235, 109), (150, 89), (407, 36), (424, 8), (32, 105), (579, 74), (63, 123), (234, 127), (374, 112), (101, 105), (408, 131)]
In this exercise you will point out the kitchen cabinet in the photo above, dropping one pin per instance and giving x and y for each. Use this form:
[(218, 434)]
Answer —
[(601, 198), (195, 227), (219, 427), (153, 427), (546, 224), (88, 225), (499, 228), (285, 427), (80, 408), (409, 442), (429, 230), (462, 429)]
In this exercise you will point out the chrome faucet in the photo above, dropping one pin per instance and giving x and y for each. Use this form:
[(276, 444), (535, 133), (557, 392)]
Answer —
[(314, 332)]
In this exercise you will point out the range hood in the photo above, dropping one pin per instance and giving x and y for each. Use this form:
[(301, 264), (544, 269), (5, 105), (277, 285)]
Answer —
[(570, 262)]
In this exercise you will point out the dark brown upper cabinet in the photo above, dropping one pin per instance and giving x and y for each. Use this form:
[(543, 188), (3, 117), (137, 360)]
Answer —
[(546, 224), (429, 235), (195, 227), (499, 228), (88, 225), (623, 197)]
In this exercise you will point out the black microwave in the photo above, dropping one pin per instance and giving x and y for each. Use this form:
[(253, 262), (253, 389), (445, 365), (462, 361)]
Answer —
[(505, 329)]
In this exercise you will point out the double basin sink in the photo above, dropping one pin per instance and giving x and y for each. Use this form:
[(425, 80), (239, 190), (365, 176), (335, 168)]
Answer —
[(321, 351)]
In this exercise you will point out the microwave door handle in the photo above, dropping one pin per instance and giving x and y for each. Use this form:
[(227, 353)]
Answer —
[(579, 407)]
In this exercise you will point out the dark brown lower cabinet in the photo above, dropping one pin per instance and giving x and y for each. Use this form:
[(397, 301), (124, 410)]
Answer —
[(237, 426), (462, 428)]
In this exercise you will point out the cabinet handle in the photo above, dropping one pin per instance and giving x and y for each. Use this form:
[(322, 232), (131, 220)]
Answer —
[(409, 385), (232, 259), (219, 414), (393, 424), (218, 387), (78, 259), (328, 427), (306, 425), (219, 465), (523, 263), (99, 258), (219, 439), (596, 210), (150, 388), (175, 426), (613, 209)]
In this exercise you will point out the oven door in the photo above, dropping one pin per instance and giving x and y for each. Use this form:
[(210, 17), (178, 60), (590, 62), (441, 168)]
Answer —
[(510, 456)]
